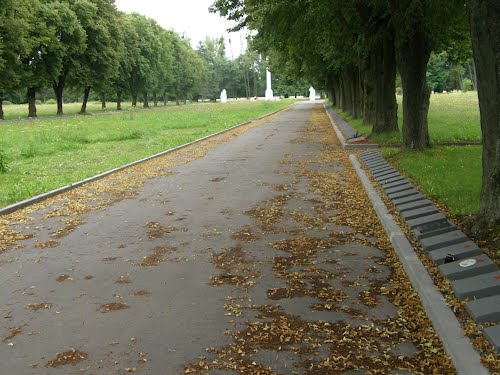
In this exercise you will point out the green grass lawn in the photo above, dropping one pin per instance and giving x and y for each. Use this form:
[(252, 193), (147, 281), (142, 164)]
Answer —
[(20, 111), (452, 117), (449, 174), (45, 155)]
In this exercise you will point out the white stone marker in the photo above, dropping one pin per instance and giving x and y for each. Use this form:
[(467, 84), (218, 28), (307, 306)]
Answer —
[(312, 94), (269, 90), (223, 96)]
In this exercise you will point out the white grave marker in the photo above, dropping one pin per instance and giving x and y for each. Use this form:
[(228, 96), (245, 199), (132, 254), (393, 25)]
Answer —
[(223, 96)]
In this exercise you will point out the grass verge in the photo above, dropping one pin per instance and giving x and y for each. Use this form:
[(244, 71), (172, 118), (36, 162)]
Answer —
[(43, 156), (452, 118), (448, 174), (20, 111)]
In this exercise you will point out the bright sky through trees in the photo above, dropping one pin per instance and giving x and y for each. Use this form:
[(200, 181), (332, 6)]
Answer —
[(188, 17)]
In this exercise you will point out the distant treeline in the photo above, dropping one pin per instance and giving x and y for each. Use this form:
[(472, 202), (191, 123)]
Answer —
[(88, 49)]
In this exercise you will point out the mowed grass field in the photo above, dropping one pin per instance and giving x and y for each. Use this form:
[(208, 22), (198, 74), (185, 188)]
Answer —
[(44, 155), (453, 117), (20, 111), (448, 174)]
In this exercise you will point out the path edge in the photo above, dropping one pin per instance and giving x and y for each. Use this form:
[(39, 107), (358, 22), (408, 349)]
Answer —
[(39, 198), (463, 355), (340, 135)]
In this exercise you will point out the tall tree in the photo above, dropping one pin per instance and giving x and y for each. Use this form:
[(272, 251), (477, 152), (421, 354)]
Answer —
[(73, 39), (16, 20), (42, 62), (420, 28), (484, 18), (100, 63)]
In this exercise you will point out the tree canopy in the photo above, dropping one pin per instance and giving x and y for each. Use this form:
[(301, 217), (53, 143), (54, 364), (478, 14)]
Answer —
[(353, 49)]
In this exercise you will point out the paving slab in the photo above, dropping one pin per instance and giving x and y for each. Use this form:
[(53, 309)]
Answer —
[(413, 205), (409, 199), (418, 212), (428, 223), (485, 310), (380, 168), (384, 169), (375, 163), (443, 240), (434, 230), (374, 156), (403, 194), (368, 155), (397, 189), (460, 251), (478, 286), (395, 184), (493, 336), (473, 266), (391, 180), (387, 176)]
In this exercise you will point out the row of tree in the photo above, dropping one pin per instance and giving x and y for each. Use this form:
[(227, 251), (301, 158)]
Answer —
[(89, 44), (354, 48), (92, 48)]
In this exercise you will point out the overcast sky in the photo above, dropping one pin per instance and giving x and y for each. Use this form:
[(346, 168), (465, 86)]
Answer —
[(190, 17)]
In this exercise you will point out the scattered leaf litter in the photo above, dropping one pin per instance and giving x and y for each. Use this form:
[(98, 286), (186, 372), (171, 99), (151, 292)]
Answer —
[(109, 307), (328, 347), (71, 357), (39, 306), (13, 333), (158, 256)]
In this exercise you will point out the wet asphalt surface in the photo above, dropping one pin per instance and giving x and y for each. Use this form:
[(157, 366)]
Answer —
[(148, 284)]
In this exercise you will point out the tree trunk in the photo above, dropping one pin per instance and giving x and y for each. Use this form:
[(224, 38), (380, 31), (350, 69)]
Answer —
[(155, 99), (370, 68), (86, 95), (349, 87), (177, 102), (134, 100), (58, 87), (485, 37), (473, 75), (1, 106), (255, 88), (31, 94), (119, 101), (412, 57), (164, 99), (386, 107), (103, 102), (337, 90), (146, 100)]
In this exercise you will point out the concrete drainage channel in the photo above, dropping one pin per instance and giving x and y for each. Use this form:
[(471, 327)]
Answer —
[(474, 275)]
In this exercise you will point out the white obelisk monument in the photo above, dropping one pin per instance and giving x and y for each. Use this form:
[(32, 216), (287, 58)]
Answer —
[(269, 90), (223, 96)]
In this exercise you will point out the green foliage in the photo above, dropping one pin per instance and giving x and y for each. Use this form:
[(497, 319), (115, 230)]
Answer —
[(445, 75), (467, 85)]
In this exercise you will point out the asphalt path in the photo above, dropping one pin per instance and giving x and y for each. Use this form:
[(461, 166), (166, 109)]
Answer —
[(254, 254)]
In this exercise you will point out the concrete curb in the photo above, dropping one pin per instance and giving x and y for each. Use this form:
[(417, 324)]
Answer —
[(39, 198), (464, 357), (345, 145)]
